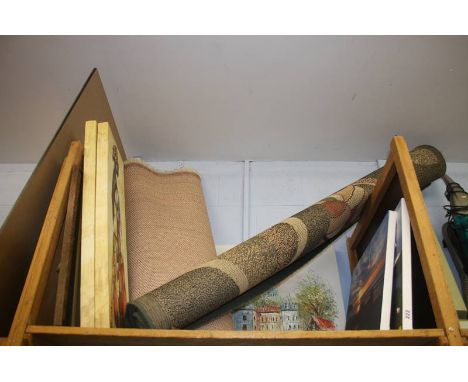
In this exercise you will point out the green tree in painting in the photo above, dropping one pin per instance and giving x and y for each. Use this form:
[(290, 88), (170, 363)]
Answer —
[(315, 299), (270, 297)]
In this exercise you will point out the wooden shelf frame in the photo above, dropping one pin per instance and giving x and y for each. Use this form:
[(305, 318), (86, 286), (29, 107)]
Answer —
[(464, 333), (34, 287), (23, 294), (399, 167), (55, 335)]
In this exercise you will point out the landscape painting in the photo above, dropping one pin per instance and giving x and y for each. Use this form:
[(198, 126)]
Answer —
[(308, 299)]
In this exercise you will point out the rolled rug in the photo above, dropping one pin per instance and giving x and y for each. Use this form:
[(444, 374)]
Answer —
[(209, 286), (168, 229)]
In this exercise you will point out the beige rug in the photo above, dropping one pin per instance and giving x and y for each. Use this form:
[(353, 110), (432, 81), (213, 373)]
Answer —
[(168, 230)]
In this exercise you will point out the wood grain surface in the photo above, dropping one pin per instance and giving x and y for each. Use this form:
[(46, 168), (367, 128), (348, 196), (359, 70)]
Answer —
[(68, 250), (442, 304), (49, 335), (43, 255)]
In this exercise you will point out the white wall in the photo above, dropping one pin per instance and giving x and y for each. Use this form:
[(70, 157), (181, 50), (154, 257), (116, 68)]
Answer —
[(255, 97), (243, 199)]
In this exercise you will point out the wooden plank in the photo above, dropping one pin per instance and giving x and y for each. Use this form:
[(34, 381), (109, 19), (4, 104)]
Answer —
[(75, 296), (43, 255), (442, 304), (464, 333), (45, 309), (383, 183), (62, 309), (50, 335)]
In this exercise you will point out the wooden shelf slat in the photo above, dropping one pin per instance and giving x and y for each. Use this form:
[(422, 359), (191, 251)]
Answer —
[(41, 263), (442, 304), (464, 334), (58, 335)]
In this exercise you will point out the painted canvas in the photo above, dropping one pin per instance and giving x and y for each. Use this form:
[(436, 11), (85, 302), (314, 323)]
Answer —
[(308, 299), (369, 304)]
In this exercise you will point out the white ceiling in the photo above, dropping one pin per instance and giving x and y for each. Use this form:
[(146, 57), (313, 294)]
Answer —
[(233, 98)]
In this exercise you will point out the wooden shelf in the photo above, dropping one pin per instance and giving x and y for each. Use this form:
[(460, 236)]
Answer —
[(27, 218), (50, 335), (464, 333)]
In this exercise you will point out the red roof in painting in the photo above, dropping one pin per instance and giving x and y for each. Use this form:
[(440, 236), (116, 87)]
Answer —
[(323, 323)]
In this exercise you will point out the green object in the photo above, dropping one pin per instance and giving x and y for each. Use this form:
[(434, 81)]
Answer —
[(457, 211), (455, 231), (460, 224)]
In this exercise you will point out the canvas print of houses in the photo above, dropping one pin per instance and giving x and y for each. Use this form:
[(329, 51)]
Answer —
[(309, 299)]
